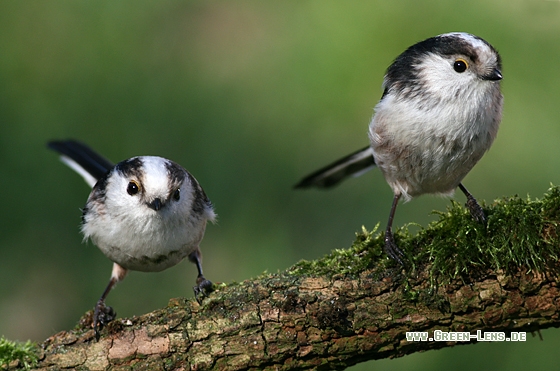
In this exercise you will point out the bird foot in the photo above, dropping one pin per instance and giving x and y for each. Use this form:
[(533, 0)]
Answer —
[(476, 210), (102, 315), (391, 248), (202, 289)]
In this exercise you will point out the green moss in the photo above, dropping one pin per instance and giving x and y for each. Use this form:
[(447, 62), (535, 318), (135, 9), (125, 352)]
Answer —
[(17, 354), (367, 249), (519, 233)]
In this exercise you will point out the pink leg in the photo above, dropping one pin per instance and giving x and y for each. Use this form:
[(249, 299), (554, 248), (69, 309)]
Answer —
[(102, 314)]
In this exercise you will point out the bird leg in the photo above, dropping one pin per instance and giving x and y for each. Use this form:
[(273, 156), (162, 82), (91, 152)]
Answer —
[(103, 314), (203, 286), (391, 248), (476, 210)]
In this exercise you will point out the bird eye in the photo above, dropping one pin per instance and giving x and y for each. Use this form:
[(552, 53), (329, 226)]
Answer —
[(460, 65), (132, 188), (177, 194)]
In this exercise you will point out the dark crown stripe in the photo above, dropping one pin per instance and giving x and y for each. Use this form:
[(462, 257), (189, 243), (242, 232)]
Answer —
[(200, 202), (130, 168), (176, 174)]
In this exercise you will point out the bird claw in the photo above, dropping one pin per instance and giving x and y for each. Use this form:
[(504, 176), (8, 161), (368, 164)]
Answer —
[(102, 315), (391, 248), (202, 289), (476, 210)]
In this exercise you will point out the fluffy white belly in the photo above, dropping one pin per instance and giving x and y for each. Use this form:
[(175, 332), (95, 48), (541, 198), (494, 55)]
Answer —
[(147, 245)]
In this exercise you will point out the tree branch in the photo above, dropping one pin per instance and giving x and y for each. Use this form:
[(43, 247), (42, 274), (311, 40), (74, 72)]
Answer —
[(351, 306)]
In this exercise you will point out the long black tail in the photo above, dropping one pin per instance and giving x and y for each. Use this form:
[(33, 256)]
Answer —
[(352, 165), (81, 155)]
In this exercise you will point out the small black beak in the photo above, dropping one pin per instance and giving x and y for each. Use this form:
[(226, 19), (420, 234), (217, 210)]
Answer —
[(155, 204), (495, 75)]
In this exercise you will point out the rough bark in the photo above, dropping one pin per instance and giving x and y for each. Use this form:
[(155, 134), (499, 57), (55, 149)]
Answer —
[(351, 306), (281, 322)]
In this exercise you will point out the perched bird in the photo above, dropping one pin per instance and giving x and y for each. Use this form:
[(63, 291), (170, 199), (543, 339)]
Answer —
[(439, 113), (146, 214)]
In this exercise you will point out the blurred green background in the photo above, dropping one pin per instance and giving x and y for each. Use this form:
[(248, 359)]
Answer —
[(249, 96)]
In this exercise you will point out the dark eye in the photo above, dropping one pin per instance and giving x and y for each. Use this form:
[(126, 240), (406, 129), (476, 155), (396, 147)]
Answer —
[(177, 195), (460, 65), (132, 188)]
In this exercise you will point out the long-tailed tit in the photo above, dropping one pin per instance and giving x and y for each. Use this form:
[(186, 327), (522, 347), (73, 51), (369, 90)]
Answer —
[(146, 214), (439, 113)]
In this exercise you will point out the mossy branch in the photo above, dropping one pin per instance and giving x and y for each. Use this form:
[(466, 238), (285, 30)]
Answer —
[(351, 306)]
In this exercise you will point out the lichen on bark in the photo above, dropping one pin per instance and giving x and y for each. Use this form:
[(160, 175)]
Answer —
[(353, 305)]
